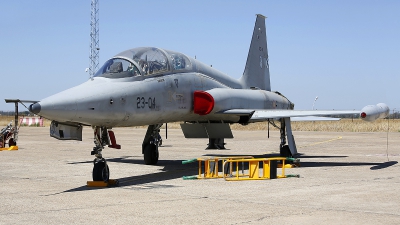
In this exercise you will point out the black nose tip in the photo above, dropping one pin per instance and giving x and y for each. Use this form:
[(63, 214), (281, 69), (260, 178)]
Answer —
[(35, 108)]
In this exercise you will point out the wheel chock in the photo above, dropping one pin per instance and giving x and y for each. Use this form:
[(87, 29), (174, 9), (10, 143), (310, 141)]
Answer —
[(12, 148), (190, 177), (293, 175), (110, 183)]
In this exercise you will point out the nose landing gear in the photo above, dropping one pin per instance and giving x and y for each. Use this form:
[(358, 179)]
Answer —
[(101, 171)]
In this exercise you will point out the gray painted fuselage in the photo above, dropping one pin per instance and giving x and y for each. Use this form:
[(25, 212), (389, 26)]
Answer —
[(136, 101)]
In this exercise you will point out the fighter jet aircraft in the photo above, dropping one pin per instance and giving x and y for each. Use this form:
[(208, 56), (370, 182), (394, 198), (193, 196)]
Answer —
[(152, 86)]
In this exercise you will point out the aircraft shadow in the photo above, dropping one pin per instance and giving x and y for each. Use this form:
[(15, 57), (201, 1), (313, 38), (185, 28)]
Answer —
[(375, 166), (269, 155), (169, 170), (174, 169), (383, 165)]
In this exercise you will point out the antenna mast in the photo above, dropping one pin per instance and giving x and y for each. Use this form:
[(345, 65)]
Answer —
[(94, 38)]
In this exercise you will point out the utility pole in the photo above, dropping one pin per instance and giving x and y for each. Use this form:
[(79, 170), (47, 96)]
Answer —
[(94, 38)]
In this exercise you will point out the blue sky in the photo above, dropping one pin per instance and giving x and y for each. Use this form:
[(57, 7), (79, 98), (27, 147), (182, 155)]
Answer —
[(345, 52)]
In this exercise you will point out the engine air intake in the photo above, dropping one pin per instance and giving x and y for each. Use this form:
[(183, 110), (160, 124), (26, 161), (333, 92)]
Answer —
[(203, 103)]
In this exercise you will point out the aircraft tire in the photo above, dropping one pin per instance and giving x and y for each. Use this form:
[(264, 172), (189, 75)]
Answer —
[(11, 142), (151, 154), (285, 151), (101, 171)]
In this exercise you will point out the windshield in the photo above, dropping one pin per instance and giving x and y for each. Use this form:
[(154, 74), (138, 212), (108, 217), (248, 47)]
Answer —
[(117, 68)]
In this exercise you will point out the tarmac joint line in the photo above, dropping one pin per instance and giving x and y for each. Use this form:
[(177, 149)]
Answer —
[(321, 142)]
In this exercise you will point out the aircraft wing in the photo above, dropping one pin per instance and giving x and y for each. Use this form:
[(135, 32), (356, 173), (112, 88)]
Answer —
[(368, 113), (313, 118), (295, 115), (299, 115)]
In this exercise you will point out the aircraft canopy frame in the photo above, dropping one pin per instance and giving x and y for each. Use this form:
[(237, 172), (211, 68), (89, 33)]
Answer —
[(145, 61)]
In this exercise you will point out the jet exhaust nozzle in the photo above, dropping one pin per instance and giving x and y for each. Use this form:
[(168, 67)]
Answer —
[(374, 112)]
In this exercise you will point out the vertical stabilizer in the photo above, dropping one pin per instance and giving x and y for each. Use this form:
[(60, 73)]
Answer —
[(256, 72)]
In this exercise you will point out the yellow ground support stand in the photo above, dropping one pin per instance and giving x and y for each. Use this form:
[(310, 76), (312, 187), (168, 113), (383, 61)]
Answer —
[(252, 165), (211, 166), (254, 169), (12, 148), (102, 183)]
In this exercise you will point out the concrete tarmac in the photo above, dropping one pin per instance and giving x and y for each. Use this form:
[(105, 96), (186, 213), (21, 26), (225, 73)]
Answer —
[(346, 178)]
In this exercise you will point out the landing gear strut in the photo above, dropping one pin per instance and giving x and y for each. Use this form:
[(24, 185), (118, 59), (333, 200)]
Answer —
[(216, 143), (286, 130), (150, 144), (101, 171), (283, 148)]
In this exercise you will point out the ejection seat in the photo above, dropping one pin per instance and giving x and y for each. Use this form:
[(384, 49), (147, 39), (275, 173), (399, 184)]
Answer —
[(116, 67)]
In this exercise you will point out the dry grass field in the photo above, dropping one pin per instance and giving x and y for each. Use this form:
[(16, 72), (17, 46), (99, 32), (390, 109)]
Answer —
[(344, 125)]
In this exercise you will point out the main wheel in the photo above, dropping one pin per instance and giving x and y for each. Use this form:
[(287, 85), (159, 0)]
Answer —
[(101, 171), (285, 151), (11, 142), (151, 154)]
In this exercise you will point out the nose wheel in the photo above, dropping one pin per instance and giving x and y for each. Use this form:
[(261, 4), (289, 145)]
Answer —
[(101, 171)]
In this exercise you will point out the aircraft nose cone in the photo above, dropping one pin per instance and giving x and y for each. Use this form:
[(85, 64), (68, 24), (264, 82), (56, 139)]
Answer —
[(35, 108)]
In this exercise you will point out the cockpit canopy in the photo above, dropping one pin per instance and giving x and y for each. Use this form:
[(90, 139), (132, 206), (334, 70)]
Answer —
[(144, 61)]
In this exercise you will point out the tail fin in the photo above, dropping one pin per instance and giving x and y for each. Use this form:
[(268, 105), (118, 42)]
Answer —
[(256, 72)]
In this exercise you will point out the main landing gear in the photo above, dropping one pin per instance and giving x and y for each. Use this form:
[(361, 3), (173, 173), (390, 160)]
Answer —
[(216, 143), (151, 141), (286, 131), (284, 150)]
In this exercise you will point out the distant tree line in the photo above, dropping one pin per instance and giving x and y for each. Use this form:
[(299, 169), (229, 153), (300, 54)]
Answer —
[(11, 113), (395, 115)]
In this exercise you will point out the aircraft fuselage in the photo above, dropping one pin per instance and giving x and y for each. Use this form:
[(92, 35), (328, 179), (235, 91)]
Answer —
[(135, 101)]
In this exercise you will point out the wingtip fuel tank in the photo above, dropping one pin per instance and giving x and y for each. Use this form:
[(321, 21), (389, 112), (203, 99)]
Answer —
[(373, 112)]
